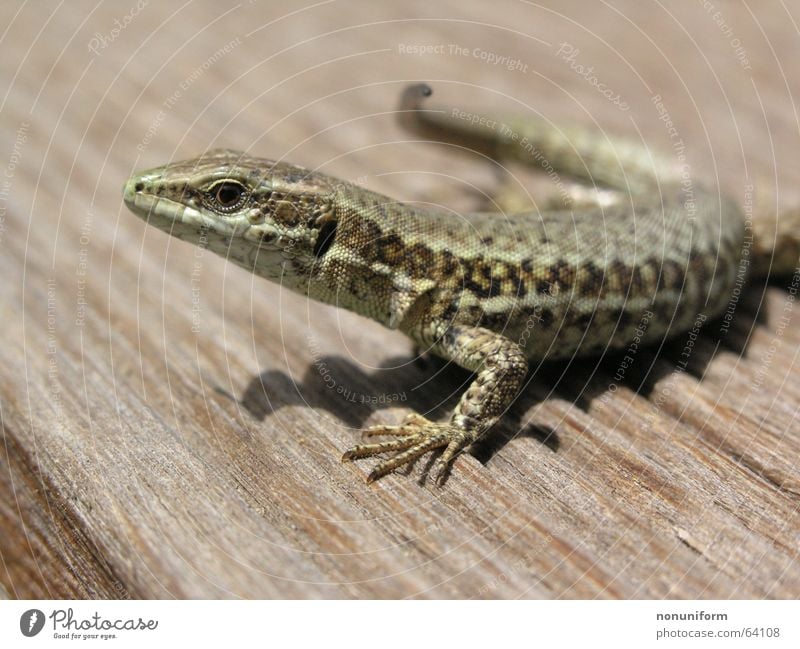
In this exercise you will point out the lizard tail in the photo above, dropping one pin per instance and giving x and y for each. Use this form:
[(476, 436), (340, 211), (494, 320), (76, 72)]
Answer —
[(776, 244), (580, 153), (593, 158)]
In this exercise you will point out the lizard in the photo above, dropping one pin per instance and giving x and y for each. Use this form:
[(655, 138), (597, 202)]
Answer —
[(490, 291)]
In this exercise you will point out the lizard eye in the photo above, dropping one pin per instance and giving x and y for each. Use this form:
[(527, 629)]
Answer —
[(227, 195)]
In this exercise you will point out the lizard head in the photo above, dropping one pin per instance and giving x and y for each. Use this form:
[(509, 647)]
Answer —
[(273, 218)]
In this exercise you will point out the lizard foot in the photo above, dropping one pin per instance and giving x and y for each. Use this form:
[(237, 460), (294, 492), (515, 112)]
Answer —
[(415, 437)]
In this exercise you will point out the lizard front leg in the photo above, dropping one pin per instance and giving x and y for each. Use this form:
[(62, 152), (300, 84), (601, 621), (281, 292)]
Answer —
[(501, 367)]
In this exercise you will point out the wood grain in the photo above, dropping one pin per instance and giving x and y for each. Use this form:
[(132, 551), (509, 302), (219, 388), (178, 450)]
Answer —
[(172, 426)]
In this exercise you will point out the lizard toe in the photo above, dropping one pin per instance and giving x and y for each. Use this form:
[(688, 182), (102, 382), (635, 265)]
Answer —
[(413, 439)]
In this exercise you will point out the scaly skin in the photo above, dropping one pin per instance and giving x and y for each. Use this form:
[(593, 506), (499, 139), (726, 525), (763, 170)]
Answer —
[(489, 291)]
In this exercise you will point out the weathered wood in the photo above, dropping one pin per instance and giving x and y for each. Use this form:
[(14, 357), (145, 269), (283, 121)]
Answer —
[(150, 450)]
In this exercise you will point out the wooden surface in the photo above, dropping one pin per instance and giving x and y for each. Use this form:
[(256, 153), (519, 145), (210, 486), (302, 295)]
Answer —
[(172, 427)]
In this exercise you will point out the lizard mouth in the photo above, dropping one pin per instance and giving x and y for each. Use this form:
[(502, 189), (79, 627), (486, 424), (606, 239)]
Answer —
[(172, 216), (146, 205)]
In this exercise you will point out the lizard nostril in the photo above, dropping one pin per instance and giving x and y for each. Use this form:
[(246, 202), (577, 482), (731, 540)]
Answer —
[(139, 187)]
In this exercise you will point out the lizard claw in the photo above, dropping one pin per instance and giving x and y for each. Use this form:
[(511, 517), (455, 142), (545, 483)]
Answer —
[(415, 437)]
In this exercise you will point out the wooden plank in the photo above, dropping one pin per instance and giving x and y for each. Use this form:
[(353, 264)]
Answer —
[(153, 450)]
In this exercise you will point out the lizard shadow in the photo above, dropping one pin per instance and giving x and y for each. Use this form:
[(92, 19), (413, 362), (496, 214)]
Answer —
[(346, 390), (428, 385), (432, 386)]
